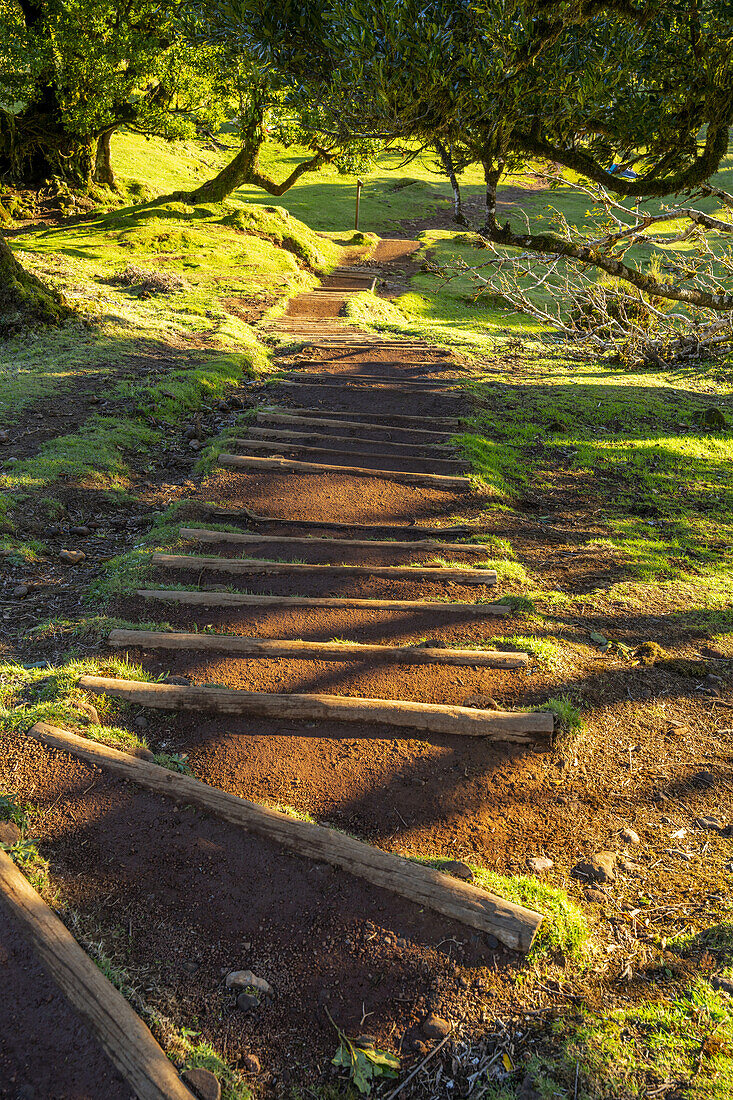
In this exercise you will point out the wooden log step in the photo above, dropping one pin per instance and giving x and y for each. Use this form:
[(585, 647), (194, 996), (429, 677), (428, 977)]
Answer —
[(208, 534), (239, 646), (511, 924), (116, 1027), (358, 417), (318, 437), (520, 727), (378, 379), (436, 573), (196, 598), (399, 528), (336, 421), (438, 481), (282, 446), (445, 393)]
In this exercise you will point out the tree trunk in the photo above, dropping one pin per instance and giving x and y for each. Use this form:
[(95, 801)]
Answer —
[(103, 173), (36, 148), (445, 155), (24, 300)]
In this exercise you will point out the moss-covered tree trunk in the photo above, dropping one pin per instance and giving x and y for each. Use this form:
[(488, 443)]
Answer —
[(103, 172), (24, 300), (35, 147)]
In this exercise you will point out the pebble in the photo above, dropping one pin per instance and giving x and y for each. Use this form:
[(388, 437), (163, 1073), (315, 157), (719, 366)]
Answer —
[(194, 444), (539, 864), (72, 556), (491, 941), (9, 833), (435, 1027), (4, 436), (20, 590), (723, 985), (599, 868), (250, 1063), (203, 1084), (80, 530), (457, 868), (712, 824), (141, 722), (247, 1002), (245, 979), (630, 867), (597, 896), (419, 1046), (181, 681), (141, 752), (630, 836)]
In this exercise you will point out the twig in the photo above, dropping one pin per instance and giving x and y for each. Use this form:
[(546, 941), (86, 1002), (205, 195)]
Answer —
[(395, 1092)]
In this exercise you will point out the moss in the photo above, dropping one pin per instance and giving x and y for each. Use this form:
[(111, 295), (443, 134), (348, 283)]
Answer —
[(26, 302)]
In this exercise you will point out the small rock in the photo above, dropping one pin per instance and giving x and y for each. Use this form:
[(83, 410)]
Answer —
[(4, 436), (491, 942), (702, 779), (247, 1002), (11, 461), (434, 643), (90, 711), (420, 1047), (539, 864), (630, 867), (194, 444), (250, 1063), (141, 722), (723, 985), (484, 702), (527, 1090), (20, 590), (203, 1084), (181, 681), (457, 868), (72, 556), (9, 833), (712, 824), (434, 1027), (599, 868), (245, 979), (630, 836), (80, 531), (597, 896)]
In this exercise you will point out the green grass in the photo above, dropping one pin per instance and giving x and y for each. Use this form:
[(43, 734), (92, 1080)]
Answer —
[(564, 931)]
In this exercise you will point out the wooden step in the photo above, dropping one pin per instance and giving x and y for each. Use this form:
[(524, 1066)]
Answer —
[(196, 598), (284, 448), (437, 481), (319, 437), (358, 417), (511, 924), (437, 573), (444, 394), (514, 726), (398, 528), (377, 379), (239, 646), (295, 418), (208, 534)]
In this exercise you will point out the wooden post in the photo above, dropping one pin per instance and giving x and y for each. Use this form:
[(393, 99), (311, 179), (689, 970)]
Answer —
[(359, 185)]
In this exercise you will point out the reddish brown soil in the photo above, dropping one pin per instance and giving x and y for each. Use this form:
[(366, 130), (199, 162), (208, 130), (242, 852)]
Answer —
[(46, 1050)]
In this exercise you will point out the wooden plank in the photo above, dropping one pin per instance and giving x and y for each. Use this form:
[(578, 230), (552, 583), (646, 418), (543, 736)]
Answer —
[(322, 437), (206, 534), (291, 465), (306, 449), (120, 1031), (444, 394), (244, 599), (317, 651), (399, 528), (370, 417), (319, 420), (377, 379), (512, 924), (500, 725), (437, 573)]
